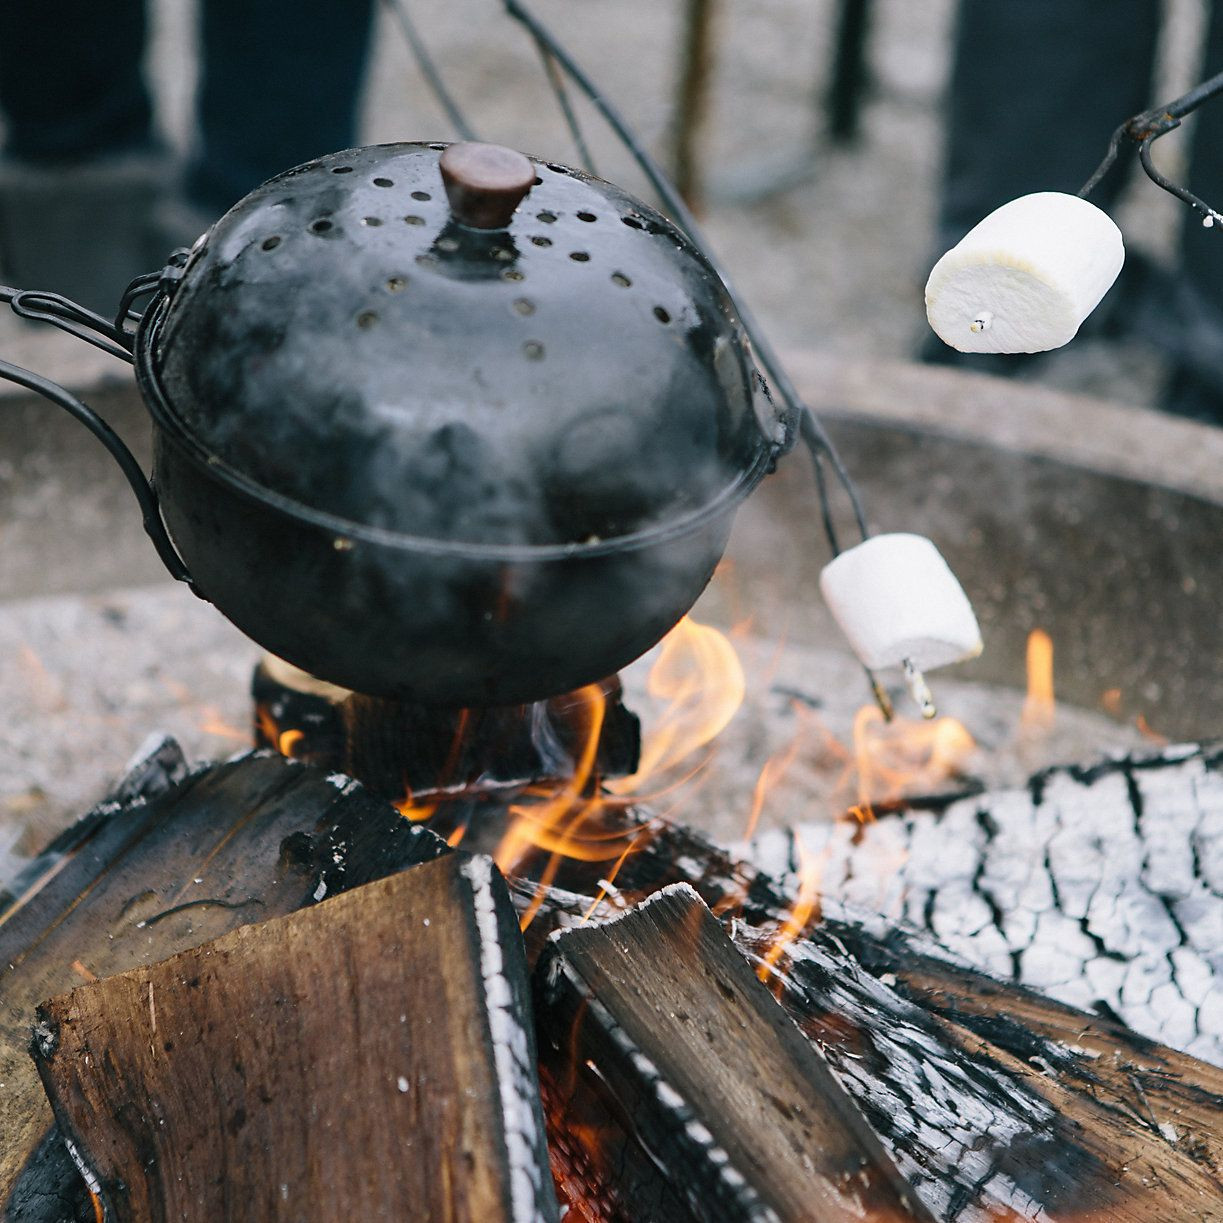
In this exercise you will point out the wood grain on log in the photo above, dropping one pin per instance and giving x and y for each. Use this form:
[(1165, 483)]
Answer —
[(369, 1057), (1101, 887), (658, 1014), (137, 881)]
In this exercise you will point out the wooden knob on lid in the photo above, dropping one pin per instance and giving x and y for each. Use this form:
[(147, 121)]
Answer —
[(485, 183)]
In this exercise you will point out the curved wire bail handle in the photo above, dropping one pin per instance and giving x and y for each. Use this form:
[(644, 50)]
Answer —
[(1147, 127), (76, 320)]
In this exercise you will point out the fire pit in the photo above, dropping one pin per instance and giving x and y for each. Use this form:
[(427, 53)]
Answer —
[(161, 626)]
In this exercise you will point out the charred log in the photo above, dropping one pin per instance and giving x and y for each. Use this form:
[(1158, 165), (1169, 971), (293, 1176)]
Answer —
[(1101, 887), (659, 1015), (138, 880), (297, 1068), (399, 749), (981, 1128)]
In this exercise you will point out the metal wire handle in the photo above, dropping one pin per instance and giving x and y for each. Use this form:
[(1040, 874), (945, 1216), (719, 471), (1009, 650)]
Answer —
[(1144, 129)]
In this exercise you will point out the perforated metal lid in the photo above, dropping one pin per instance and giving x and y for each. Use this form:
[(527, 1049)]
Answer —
[(342, 339)]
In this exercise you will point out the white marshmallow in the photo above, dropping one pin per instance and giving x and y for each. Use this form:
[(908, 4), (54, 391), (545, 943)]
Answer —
[(895, 598), (1025, 278)]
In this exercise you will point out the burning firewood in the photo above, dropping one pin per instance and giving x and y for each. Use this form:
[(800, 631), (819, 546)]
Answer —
[(993, 1102), (138, 880), (1101, 887), (298, 1068), (987, 1116), (658, 1015)]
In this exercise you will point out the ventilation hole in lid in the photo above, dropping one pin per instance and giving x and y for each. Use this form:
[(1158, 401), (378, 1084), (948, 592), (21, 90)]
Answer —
[(539, 182), (512, 274), (437, 146), (414, 220), (426, 260), (587, 216), (546, 217), (524, 306), (449, 245), (384, 182), (396, 284), (321, 226), (270, 244), (540, 240), (579, 256), (366, 319), (633, 222), (534, 350), (619, 278), (501, 253), (556, 168), (371, 221), (661, 315), (342, 170), (421, 195)]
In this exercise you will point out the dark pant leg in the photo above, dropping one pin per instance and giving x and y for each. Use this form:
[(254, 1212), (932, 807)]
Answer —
[(1037, 88), (1202, 249), (281, 83), (71, 85)]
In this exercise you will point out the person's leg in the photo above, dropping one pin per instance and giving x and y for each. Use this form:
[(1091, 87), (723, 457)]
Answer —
[(71, 85), (81, 167), (280, 84), (1037, 88), (1195, 386)]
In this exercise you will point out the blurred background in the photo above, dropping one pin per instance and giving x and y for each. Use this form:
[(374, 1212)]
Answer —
[(829, 241)]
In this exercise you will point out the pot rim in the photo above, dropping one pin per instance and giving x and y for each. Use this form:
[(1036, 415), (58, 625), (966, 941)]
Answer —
[(345, 532)]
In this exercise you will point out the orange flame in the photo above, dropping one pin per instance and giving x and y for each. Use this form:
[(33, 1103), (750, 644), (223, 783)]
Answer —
[(903, 756), (804, 910), (1039, 708), (699, 675)]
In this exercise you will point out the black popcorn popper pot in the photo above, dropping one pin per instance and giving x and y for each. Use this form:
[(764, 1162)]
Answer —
[(442, 423)]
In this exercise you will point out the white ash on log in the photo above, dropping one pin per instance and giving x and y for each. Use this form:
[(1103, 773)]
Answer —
[(1101, 887), (138, 880), (297, 1068), (658, 1015), (1015, 1124)]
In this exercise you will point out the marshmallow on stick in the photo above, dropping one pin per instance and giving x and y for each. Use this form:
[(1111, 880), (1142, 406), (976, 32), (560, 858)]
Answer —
[(897, 601), (1025, 278)]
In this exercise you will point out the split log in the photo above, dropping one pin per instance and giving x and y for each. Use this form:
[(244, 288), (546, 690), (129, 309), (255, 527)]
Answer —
[(657, 1014), (370, 1057), (1100, 887), (138, 880)]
